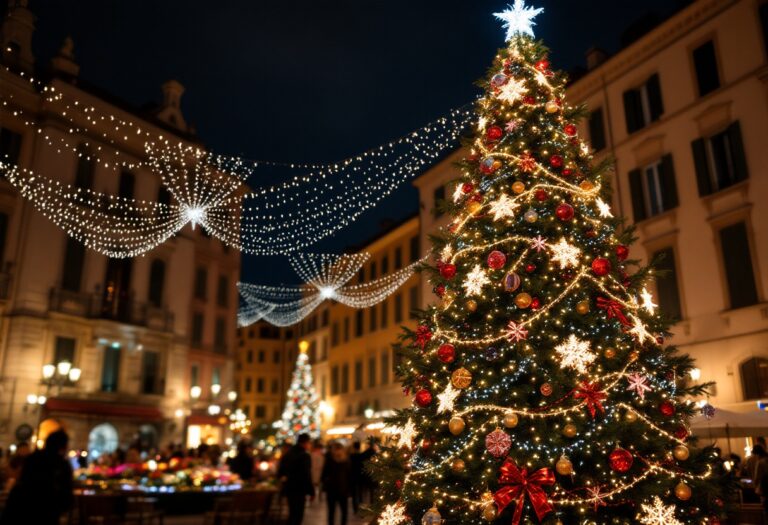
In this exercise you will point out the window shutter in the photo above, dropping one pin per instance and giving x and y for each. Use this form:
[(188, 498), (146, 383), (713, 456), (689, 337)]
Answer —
[(597, 130), (737, 152), (737, 260), (632, 110), (654, 97), (636, 189), (668, 184), (702, 167)]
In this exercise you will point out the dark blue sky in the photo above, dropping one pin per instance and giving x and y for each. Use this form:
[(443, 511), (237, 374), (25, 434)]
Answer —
[(310, 80)]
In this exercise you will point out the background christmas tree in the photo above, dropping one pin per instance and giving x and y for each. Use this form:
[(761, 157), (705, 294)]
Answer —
[(301, 410), (542, 387)]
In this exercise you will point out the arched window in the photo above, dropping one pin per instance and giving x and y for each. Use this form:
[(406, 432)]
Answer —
[(754, 378), (102, 440), (156, 282)]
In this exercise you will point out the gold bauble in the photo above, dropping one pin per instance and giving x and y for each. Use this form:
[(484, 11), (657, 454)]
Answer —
[(510, 420), (456, 425), (569, 430), (582, 307), (681, 452), (473, 207), (683, 491), (564, 467), (631, 416), (523, 300), (471, 305), (610, 353), (458, 465), (461, 378), (587, 185), (497, 164), (551, 106), (489, 512), (518, 187)]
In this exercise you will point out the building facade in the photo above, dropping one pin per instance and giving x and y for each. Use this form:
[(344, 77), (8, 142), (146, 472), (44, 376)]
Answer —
[(128, 325)]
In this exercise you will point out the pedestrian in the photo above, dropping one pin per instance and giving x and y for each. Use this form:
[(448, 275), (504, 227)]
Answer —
[(336, 477), (242, 463), (295, 473), (43, 491), (356, 461), (367, 483), (318, 460)]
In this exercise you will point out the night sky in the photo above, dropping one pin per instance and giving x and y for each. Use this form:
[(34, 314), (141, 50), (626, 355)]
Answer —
[(309, 80)]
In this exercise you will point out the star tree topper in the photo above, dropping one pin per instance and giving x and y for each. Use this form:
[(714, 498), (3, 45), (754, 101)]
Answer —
[(518, 19)]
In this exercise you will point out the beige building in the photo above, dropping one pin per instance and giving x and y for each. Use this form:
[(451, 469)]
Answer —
[(142, 331)]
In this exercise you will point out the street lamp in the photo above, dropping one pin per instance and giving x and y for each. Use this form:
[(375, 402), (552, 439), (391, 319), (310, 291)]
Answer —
[(54, 378), (195, 392), (232, 396), (215, 389)]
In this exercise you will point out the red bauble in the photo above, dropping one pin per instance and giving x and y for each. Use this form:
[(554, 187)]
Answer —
[(542, 65), (570, 130), (681, 433), (467, 187), (496, 260), (446, 353), (601, 266), (567, 172), (556, 161), (494, 133), (448, 271), (398, 484), (426, 445), (622, 252), (541, 195), (564, 211), (667, 408), (528, 99), (621, 460), (423, 398), (530, 267), (535, 303), (590, 234), (439, 290), (660, 340)]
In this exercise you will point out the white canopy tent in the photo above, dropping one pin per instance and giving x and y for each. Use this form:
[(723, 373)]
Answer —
[(728, 424)]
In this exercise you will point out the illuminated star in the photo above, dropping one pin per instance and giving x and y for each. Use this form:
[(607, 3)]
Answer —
[(475, 281), (648, 304), (639, 384), (518, 19), (565, 254), (596, 496), (393, 514), (539, 243), (605, 209), (512, 91), (481, 123), (511, 126), (407, 434), (503, 207), (447, 398), (457, 193), (638, 330), (516, 332), (446, 253), (658, 514), (575, 353)]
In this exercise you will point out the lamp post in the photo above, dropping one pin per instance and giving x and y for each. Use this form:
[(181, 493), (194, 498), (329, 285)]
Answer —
[(54, 378)]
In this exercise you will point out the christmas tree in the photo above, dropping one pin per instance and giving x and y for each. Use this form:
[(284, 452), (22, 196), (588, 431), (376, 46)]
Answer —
[(301, 414), (543, 391)]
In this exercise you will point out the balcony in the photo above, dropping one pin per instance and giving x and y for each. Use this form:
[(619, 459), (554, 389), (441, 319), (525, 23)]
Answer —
[(93, 306)]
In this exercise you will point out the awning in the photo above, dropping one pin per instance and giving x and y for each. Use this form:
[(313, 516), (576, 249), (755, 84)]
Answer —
[(101, 408), (728, 424)]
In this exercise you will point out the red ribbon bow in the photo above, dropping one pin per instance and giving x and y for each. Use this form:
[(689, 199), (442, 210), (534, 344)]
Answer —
[(592, 396), (517, 483), (423, 335), (613, 309)]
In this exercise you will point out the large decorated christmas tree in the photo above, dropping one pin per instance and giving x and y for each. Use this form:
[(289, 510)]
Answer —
[(543, 390), (301, 413)]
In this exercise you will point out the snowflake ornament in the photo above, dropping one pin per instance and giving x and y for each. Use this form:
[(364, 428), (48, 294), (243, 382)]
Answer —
[(657, 513), (516, 332), (476, 279), (639, 384), (565, 254), (458, 193), (447, 398), (603, 208), (511, 125), (498, 443), (648, 304), (393, 514), (597, 497), (575, 353), (539, 243), (512, 91), (406, 435), (503, 207), (640, 331), (518, 19)]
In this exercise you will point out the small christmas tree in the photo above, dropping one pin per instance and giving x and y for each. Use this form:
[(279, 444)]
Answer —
[(301, 410), (542, 388)]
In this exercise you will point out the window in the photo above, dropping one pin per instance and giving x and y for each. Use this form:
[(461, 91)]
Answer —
[(384, 265), (197, 329), (335, 334), (276, 356), (110, 369), (216, 376), (247, 410), (667, 286), (74, 257), (373, 270), (325, 318), (653, 189), (344, 378), (414, 248), (324, 348), (398, 258), (413, 300), (275, 386), (194, 375), (64, 350), (361, 275), (737, 262), (10, 146), (201, 283), (719, 160), (384, 313), (346, 329), (754, 378), (373, 317), (126, 185), (163, 195), (323, 387), (398, 308), (597, 130), (260, 385), (358, 375), (261, 411), (156, 283), (248, 384), (249, 357), (437, 201), (643, 104), (359, 319), (85, 168), (150, 373), (705, 64), (222, 295), (385, 367), (372, 371), (262, 356), (334, 380), (220, 336)]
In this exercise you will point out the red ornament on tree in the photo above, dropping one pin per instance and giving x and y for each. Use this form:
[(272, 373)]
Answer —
[(542, 65), (467, 187), (681, 433), (423, 398), (496, 260), (494, 133), (439, 290), (622, 252), (601, 266), (446, 353), (528, 99), (398, 484), (564, 211), (556, 161), (448, 271), (530, 268), (570, 130), (567, 172), (621, 460), (541, 195), (667, 408), (498, 443), (535, 303)]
